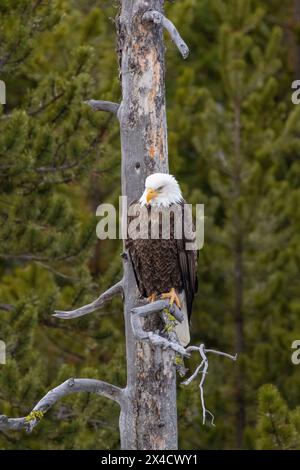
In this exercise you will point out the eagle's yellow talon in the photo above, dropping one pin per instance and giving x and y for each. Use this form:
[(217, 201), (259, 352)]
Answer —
[(151, 298), (172, 295)]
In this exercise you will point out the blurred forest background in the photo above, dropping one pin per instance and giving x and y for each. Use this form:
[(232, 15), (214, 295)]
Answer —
[(234, 146)]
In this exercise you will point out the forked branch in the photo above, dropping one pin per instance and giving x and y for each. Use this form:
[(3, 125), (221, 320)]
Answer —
[(158, 18), (89, 308), (202, 369), (69, 386)]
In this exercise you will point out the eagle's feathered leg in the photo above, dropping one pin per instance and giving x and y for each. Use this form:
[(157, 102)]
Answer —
[(152, 298), (172, 295)]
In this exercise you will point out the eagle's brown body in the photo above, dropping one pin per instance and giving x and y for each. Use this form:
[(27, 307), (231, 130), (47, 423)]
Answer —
[(161, 264)]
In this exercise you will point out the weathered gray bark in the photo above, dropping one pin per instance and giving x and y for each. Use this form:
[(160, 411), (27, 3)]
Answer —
[(149, 418)]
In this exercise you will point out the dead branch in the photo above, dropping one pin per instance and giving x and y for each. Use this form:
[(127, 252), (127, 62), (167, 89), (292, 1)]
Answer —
[(98, 303), (99, 105), (157, 306), (68, 387), (138, 313), (158, 18), (202, 368)]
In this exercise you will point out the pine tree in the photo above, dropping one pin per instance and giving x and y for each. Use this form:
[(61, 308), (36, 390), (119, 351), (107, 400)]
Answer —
[(277, 427)]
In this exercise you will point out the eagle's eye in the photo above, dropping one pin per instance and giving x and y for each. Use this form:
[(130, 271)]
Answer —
[(159, 188)]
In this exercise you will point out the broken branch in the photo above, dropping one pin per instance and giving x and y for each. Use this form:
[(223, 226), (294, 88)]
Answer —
[(157, 306), (98, 303), (158, 18), (66, 388), (99, 105)]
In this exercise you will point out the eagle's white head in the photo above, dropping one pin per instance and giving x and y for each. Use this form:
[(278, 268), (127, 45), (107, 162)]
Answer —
[(162, 190)]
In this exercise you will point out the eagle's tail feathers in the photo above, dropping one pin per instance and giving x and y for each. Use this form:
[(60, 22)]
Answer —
[(183, 329)]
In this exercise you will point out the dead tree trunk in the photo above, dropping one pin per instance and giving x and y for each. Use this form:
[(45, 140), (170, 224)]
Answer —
[(148, 417), (149, 420)]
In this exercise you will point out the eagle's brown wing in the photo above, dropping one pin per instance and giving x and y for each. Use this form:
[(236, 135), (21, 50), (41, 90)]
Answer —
[(188, 258)]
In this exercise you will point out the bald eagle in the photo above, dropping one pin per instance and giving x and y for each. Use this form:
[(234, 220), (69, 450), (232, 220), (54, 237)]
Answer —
[(163, 263)]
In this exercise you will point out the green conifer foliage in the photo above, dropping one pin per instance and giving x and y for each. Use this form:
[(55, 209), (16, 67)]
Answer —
[(54, 153), (277, 427), (234, 146)]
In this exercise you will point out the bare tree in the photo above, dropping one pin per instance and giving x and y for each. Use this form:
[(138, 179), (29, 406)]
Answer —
[(148, 417)]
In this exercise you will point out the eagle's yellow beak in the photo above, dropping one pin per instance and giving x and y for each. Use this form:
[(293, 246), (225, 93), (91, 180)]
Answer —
[(150, 194)]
